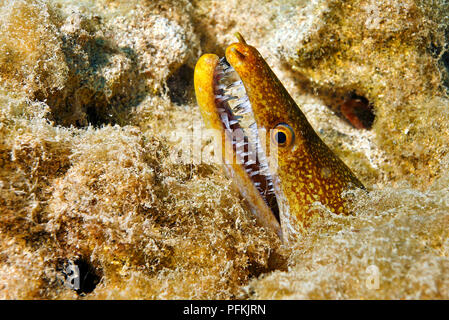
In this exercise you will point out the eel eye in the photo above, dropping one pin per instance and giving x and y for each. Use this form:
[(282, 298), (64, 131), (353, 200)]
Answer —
[(282, 135)]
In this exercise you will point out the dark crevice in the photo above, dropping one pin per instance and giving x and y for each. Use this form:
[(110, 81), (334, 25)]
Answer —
[(440, 51), (358, 111), (86, 98), (276, 261), (79, 275), (348, 103), (180, 85), (445, 62), (93, 117)]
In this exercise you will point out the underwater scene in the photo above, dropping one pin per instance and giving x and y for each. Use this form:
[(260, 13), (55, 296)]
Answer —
[(209, 149)]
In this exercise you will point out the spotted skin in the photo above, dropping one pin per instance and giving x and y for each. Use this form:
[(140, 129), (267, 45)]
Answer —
[(307, 170)]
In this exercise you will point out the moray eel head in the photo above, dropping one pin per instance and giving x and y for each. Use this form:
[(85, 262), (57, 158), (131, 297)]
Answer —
[(276, 159)]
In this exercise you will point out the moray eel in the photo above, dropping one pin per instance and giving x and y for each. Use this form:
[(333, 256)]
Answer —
[(270, 150)]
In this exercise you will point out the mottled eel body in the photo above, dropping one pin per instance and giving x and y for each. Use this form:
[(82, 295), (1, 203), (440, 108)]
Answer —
[(294, 168)]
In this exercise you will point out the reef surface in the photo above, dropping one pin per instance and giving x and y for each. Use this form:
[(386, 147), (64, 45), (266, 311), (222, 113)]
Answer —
[(99, 140)]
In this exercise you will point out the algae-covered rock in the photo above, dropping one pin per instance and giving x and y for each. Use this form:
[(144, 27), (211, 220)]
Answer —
[(389, 52), (145, 226), (25, 63), (109, 201), (395, 248), (91, 66), (99, 144)]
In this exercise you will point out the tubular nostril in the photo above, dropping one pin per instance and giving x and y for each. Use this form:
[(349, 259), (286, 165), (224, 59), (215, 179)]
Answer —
[(240, 37)]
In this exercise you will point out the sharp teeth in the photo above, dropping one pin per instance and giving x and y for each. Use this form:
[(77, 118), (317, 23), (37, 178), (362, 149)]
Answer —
[(243, 107), (241, 144), (241, 112), (232, 122), (243, 99), (228, 69), (222, 99), (263, 165), (225, 120), (221, 76), (235, 84)]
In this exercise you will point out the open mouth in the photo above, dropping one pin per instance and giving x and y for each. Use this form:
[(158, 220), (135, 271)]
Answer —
[(238, 120)]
